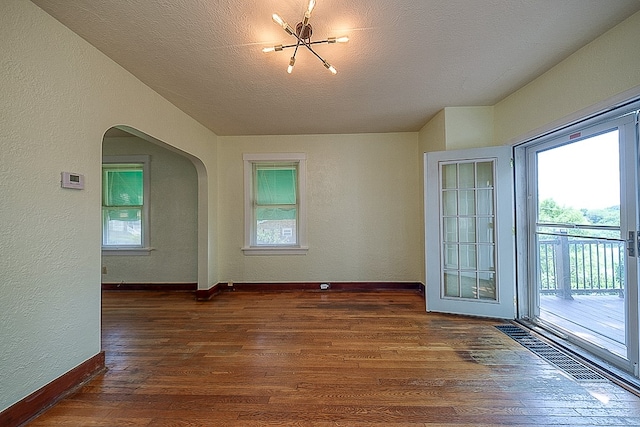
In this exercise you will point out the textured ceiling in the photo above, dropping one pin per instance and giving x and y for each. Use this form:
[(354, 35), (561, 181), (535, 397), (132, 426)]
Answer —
[(405, 61)]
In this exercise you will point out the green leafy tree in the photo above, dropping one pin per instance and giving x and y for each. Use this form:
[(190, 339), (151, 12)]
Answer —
[(550, 211), (607, 216)]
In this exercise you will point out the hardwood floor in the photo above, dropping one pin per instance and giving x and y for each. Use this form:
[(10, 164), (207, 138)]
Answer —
[(599, 319), (322, 359)]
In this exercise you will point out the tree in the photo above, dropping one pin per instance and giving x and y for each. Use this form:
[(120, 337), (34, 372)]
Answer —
[(550, 211)]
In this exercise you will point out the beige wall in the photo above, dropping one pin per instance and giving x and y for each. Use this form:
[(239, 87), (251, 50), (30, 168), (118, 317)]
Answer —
[(59, 96), (173, 218), (468, 127), (581, 84), (432, 137), (363, 209), (600, 74)]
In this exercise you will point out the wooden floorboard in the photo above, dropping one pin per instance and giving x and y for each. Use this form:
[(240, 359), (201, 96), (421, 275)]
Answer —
[(599, 319), (322, 359)]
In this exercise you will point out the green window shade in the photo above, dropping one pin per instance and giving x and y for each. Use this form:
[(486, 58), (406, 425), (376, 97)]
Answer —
[(124, 214), (266, 214), (276, 185), (123, 186)]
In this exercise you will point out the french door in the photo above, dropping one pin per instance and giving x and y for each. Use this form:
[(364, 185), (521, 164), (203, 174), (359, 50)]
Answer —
[(469, 232), (583, 242), (577, 237)]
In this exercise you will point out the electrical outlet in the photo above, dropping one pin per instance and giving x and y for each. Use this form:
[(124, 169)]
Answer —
[(324, 286)]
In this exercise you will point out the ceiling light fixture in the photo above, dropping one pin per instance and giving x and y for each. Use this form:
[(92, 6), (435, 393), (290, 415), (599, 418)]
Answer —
[(302, 33)]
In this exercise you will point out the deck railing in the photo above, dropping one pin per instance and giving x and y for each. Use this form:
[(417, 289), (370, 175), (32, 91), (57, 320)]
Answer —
[(580, 266)]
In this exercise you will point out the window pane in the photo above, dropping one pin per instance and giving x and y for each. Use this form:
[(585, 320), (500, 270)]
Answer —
[(449, 176), (468, 285), (467, 202), (485, 174), (122, 186), (485, 230), (468, 257), (276, 226), (485, 202), (122, 227), (486, 257), (468, 230), (451, 256), (450, 202), (450, 233), (451, 284), (487, 282), (275, 186), (467, 175), (277, 214)]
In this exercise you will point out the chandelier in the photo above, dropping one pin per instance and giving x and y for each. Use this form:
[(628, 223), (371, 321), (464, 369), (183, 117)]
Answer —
[(302, 33)]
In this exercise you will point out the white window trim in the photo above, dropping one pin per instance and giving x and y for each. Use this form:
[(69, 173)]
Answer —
[(249, 247), (145, 248)]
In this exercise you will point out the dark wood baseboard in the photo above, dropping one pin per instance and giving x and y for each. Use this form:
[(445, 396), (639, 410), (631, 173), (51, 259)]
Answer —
[(42, 399), (207, 294), (169, 287), (333, 287)]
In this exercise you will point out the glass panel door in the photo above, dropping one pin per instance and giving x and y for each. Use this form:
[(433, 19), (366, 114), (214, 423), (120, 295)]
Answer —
[(466, 273), (583, 208)]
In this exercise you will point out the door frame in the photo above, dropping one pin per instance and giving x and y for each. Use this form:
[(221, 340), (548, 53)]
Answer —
[(525, 245)]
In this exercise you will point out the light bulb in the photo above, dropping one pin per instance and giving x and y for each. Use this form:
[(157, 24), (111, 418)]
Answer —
[(330, 67), (291, 64), (276, 18), (312, 4), (343, 39), (276, 48)]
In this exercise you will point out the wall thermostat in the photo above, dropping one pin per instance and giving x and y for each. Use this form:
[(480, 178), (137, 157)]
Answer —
[(72, 180)]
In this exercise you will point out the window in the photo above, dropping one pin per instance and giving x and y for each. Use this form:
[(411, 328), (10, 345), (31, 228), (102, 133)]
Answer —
[(125, 208), (275, 210)]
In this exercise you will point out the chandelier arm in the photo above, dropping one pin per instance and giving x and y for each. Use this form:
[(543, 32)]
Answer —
[(303, 36), (287, 46), (308, 45)]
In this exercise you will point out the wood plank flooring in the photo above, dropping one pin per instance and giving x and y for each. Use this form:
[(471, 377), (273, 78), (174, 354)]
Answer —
[(322, 359), (599, 319)]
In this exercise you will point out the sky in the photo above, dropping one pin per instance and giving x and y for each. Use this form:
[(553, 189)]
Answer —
[(584, 174)]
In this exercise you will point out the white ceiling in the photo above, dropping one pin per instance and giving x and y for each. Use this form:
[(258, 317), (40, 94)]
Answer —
[(406, 59)]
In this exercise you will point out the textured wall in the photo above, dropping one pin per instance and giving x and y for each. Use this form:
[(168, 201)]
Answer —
[(604, 68), (59, 96), (172, 215), (364, 209)]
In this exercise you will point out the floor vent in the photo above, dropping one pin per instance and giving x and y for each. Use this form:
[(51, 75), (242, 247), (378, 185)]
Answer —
[(572, 367)]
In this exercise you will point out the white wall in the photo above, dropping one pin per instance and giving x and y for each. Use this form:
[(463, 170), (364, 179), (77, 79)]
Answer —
[(59, 96), (363, 203), (173, 219)]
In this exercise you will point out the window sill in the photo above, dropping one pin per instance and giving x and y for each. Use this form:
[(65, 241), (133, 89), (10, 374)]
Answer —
[(126, 251), (275, 250)]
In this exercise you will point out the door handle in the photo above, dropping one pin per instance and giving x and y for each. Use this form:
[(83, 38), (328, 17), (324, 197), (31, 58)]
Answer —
[(631, 244)]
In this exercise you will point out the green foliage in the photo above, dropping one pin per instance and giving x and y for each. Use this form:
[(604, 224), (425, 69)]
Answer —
[(608, 216), (595, 265), (550, 211)]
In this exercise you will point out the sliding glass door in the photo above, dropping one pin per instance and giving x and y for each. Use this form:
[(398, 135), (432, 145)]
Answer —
[(582, 216)]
